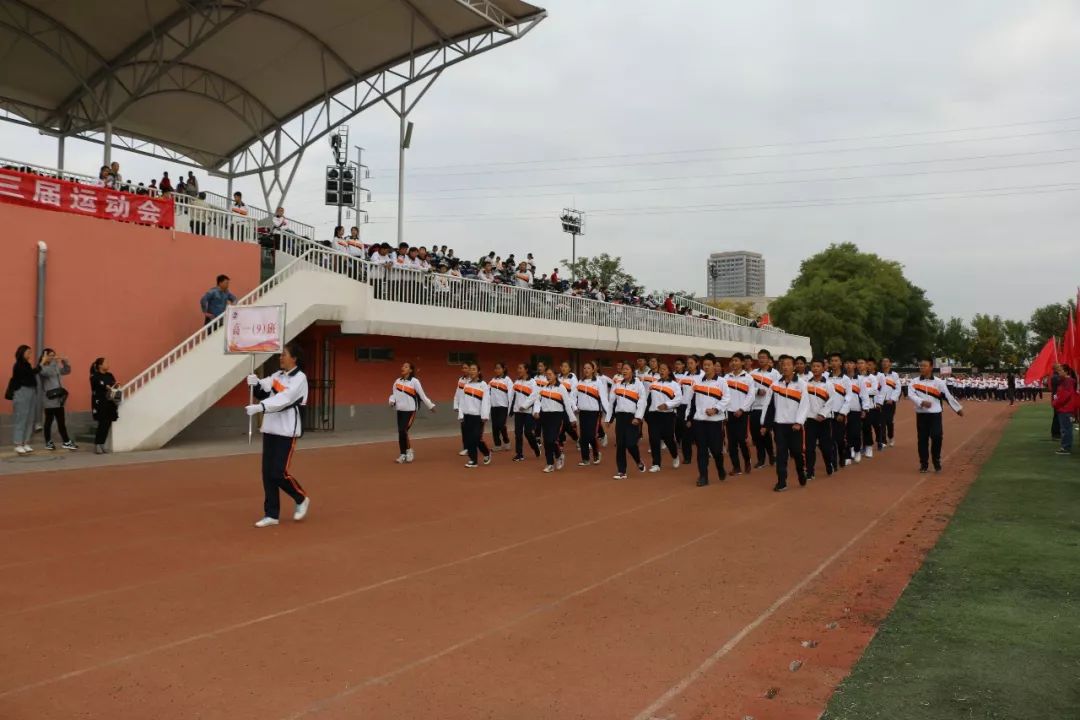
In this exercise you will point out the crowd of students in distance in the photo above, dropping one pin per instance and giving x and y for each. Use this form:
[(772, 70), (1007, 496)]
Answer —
[(842, 409)]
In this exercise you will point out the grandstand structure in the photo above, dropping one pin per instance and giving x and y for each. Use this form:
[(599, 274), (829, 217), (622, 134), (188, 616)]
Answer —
[(132, 75)]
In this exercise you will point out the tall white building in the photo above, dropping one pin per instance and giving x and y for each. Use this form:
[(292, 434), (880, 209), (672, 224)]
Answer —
[(735, 274)]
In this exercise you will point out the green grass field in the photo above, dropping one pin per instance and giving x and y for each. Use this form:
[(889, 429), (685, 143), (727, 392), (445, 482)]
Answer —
[(989, 627)]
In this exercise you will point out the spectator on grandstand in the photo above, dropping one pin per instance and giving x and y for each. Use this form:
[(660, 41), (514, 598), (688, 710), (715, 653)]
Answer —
[(152, 190), (181, 187), (354, 235), (554, 277), (104, 176), (486, 274), (216, 299), (422, 261), (199, 207), (279, 223), (669, 303), (382, 255), (116, 180), (238, 206), (192, 184), (165, 186), (523, 278)]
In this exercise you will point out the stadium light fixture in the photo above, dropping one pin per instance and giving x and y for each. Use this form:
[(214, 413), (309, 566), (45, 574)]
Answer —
[(573, 223)]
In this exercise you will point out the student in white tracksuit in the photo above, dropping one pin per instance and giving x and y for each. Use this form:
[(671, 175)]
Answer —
[(593, 404), (281, 398), (928, 394), (405, 396), (628, 408), (665, 396), (552, 409), (709, 407), (787, 396), (523, 396), (474, 409), (457, 398), (500, 386)]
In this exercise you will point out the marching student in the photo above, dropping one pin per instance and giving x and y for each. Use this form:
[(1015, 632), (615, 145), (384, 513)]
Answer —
[(823, 402), (541, 377), (858, 404), (764, 376), (709, 409), (523, 396), (406, 394), (593, 405), (627, 409), (281, 397), (801, 371), (665, 396), (692, 377), (679, 374), (551, 409), (500, 386), (606, 382), (568, 380), (868, 388), (461, 382), (891, 379), (474, 409), (841, 385), (926, 394), (879, 403), (741, 388), (787, 395)]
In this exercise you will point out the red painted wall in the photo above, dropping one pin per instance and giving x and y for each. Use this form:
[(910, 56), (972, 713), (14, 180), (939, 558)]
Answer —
[(127, 292)]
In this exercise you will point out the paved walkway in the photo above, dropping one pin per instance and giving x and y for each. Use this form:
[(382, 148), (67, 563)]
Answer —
[(45, 461)]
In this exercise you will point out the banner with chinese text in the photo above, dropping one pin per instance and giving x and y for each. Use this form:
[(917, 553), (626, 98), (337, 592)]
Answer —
[(49, 193), (255, 328)]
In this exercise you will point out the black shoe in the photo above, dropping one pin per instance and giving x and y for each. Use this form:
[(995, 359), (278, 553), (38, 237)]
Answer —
[(747, 468), (923, 469), (779, 487), (519, 458), (641, 467), (937, 467), (759, 466), (828, 471), (803, 480), (702, 482), (723, 475), (772, 461)]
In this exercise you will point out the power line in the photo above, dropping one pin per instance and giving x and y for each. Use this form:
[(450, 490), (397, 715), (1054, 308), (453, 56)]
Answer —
[(1005, 191), (755, 147), (516, 168)]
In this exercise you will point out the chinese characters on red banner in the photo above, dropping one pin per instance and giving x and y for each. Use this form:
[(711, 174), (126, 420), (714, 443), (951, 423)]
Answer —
[(65, 196)]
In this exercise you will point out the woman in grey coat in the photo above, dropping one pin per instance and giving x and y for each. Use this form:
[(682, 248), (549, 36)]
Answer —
[(52, 370), (22, 391)]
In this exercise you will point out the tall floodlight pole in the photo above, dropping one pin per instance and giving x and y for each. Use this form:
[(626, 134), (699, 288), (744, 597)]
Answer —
[(573, 223)]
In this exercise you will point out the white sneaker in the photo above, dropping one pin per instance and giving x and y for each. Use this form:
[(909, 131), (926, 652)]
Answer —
[(869, 452), (549, 468), (20, 450), (675, 462), (603, 441), (266, 522), (892, 443), (596, 460), (463, 453), (400, 460), (301, 510), (560, 462), (618, 476), (654, 468), (409, 457), (847, 462), (487, 459), (858, 457), (27, 449)]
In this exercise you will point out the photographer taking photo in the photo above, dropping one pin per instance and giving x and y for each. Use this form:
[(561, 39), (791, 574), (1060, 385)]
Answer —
[(55, 395)]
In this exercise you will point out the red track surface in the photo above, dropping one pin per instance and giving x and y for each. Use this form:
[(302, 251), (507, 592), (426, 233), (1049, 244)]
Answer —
[(431, 591)]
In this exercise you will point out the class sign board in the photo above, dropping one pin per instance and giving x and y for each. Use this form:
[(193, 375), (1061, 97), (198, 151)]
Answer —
[(254, 329)]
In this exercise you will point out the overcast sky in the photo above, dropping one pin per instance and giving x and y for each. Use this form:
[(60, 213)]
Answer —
[(689, 127)]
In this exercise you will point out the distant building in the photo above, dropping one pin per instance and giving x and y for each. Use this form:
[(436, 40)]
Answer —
[(735, 274)]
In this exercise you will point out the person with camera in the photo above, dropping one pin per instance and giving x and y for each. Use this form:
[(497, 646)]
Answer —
[(104, 398), (52, 386), (22, 392)]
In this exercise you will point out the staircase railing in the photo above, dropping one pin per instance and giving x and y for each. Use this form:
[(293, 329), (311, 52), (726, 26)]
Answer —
[(314, 258)]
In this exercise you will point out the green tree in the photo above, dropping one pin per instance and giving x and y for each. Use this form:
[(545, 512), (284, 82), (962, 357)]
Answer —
[(609, 270), (1046, 322), (988, 341), (1016, 342), (953, 339), (743, 309), (857, 303)]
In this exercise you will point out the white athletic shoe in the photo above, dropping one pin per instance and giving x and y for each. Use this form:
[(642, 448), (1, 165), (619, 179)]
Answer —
[(463, 453), (858, 457), (27, 449), (869, 452), (266, 522), (596, 460), (549, 468), (892, 443), (654, 468), (618, 476), (20, 450), (675, 462), (847, 462), (487, 459), (560, 462), (301, 510), (400, 460), (409, 457), (603, 441)]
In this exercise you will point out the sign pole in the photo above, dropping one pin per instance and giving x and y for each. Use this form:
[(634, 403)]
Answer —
[(251, 400)]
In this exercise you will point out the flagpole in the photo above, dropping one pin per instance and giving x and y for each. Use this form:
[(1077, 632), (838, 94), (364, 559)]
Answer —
[(251, 399)]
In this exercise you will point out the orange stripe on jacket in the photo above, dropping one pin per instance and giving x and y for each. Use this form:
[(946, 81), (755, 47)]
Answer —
[(709, 390), (589, 390), (740, 386), (928, 389), (278, 387), (789, 393), (819, 391), (475, 392), (552, 395), (664, 389), (407, 389), (763, 379), (629, 394)]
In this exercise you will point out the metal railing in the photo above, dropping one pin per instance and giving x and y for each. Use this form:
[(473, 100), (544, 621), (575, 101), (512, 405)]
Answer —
[(317, 258), (262, 217), (199, 219), (705, 309), (49, 171), (439, 290)]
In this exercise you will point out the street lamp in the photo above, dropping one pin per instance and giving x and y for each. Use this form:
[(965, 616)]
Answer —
[(573, 223)]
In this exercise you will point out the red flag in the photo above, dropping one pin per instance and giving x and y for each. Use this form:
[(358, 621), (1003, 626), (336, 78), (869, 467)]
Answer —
[(1043, 364), (1068, 344)]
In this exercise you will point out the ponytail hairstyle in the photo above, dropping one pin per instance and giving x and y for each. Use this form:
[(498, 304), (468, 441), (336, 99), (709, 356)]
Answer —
[(95, 365)]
